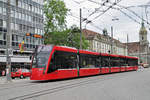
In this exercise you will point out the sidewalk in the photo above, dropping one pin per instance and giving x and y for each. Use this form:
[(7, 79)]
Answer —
[(3, 80)]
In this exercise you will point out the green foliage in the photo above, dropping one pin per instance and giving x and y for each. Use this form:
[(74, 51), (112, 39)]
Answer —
[(55, 26), (74, 38), (55, 14)]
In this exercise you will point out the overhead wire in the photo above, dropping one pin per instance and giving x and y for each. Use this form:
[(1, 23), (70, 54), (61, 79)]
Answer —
[(102, 4), (133, 13), (118, 10), (109, 7), (146, 14), (79, 2)]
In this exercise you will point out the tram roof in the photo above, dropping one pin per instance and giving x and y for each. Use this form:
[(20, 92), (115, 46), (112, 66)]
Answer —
[(65, 48), (131, 57), (88, 52)]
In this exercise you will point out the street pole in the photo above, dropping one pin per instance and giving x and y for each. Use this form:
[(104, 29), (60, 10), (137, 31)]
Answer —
[(8, 44), (111, 39), (127, 45), (139, 53), (80, 28), (112, 36)]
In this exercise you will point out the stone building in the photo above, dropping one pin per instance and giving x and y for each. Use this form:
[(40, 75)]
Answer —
[(26, 25), (104, 44), (140, 49)]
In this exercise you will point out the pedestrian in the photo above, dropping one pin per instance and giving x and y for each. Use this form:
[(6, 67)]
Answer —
[(3, 73)]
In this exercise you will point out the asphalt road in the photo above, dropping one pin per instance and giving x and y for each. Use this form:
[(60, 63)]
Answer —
[(133, 85)]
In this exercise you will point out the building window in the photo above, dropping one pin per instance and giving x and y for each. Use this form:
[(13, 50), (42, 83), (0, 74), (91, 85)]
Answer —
[(1, 22), (20, 27), (41, 12), (24, 27), (12, 26), (1, 10), (30, 7), (4, 36), (29, 18), (16, 15), (4, 24), (19, 15), (16, 37), (16, 27), (16, 2), (33, 8), (23, 5), (23, 38), (1, 36), (19, 3), (13, 2), (4, 11), (12, 13), (12, 37)]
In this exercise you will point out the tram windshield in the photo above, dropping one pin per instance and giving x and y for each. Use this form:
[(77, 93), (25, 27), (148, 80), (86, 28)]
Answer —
[(41, 56)]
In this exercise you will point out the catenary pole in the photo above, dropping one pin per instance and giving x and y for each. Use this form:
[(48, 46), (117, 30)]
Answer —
[(80, 28), (111, 39), (8, 44), (127, 44)]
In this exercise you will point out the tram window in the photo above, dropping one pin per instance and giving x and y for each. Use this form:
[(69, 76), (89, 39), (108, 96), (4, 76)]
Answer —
[(122, 62), (114, 61), (132, 62), (105, 61), (98, 61), (89, 61), (63, 60)]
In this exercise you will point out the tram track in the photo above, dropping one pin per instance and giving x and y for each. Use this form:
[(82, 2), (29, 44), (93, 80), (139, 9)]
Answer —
[(52, 90), (32, 83), (59, 88)]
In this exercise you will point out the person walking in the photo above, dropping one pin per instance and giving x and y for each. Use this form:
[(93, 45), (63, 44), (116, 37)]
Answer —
[(3, 73)]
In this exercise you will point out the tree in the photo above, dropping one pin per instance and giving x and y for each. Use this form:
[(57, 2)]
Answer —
[(55, 24), (55, 28), (74, 38)]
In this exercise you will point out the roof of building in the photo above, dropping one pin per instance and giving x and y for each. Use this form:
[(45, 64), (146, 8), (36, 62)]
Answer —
[(88, 33), (91, 34), (133, 47)]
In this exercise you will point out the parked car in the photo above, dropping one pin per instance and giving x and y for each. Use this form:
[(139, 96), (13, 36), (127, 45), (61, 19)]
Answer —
[(21, 73)]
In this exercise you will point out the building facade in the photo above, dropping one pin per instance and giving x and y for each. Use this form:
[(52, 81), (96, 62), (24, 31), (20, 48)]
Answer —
[(140, 49), (26, 26), (104, 43)]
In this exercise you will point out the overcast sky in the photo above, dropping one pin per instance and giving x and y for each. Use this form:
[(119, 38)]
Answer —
[(121, 27)]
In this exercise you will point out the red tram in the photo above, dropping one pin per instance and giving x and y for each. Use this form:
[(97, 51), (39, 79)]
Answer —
[(57, 62)]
